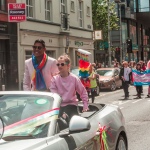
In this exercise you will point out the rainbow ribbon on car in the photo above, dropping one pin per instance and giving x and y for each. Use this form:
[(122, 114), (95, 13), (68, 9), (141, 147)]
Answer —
[(30, 123)]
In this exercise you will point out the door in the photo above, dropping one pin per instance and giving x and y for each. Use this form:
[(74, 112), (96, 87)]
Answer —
[(2, 64)]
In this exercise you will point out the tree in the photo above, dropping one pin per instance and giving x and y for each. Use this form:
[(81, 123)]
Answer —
[(100, 16)]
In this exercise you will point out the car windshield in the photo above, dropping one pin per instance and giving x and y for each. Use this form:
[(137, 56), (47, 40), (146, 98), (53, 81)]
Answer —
[(75, 72), (105, 72), (26, 115)]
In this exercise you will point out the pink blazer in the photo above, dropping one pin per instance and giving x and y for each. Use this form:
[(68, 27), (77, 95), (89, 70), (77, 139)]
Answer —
[(48, 72)]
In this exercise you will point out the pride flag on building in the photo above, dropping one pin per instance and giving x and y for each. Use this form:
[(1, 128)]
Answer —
[(141, 78)]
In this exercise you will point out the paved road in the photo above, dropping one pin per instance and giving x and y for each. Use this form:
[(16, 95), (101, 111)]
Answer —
[(136, 113)]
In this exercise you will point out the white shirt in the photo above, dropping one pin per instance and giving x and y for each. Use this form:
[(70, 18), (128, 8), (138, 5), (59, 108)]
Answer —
[(126, 73)]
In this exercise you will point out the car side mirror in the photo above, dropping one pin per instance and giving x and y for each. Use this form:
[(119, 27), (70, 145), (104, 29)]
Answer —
[(79, 124), (1, 128)]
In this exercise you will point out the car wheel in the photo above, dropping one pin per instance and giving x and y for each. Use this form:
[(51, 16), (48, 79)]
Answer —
[(121, 143), (113, 86)]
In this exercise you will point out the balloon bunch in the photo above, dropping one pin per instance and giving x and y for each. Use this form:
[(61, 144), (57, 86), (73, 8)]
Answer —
[(84, 67)]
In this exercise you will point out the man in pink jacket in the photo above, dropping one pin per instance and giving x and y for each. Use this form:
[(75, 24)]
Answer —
[(66, 85), (39, 69)]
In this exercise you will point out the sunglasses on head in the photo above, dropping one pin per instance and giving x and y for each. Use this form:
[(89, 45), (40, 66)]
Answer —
[(61, 64), (37, 47)]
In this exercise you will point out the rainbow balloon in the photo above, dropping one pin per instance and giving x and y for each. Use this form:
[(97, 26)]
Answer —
[(84, 66)]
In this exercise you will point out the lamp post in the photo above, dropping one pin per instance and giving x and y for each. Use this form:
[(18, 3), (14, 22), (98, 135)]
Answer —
[(120, 33), (109, 49), (120, 23)]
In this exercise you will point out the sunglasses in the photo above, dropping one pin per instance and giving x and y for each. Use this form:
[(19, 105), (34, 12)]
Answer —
[(37, 47), (61, 64)]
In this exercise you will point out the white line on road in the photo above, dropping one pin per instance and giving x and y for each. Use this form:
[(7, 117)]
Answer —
[(119, 102), (137, 101)]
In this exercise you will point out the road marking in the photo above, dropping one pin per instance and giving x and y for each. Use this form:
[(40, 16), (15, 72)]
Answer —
[(119, 102), (137, 101)]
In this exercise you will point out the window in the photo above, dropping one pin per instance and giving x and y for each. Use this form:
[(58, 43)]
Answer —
[(64, 15), (48, 10), (80, 13), (63, 6), (88, 11), (3, 5), (29, 4), (72, 7)]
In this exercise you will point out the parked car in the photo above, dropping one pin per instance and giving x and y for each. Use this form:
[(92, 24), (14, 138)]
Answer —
[(76, 72), (31, 122), (109, 78)]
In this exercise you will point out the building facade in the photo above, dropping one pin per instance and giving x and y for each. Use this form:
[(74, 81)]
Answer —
[(8, 50), (64, 25), (135, 25)]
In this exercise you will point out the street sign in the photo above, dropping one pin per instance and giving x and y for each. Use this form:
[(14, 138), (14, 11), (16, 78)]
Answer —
[(135, 47), (98, 35), (16, 12)]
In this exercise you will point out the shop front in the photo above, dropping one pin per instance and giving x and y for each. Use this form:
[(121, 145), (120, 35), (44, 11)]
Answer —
[(8, 56)]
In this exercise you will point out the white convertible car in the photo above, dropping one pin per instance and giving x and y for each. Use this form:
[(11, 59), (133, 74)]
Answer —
[(31, 122)]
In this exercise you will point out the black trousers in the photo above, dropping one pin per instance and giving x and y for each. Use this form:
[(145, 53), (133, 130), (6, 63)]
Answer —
[(70, 110), (125, 85), (93, 93), (139, 90)]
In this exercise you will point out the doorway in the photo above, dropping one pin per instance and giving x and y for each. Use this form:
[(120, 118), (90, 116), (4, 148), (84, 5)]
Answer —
[(2, 63)]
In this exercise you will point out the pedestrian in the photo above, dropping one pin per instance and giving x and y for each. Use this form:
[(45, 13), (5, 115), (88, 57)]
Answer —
[(98, 66), (94, 66), (66, 85), (124, 75), (139, 88), (93, 83), (143, 67), (117, 65), (148, 68), (132, 65), (39, 69)]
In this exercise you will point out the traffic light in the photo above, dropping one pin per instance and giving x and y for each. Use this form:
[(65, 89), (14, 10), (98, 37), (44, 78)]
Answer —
[(129, 45)]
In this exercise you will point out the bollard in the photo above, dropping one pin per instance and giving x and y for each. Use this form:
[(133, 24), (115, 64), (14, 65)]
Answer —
[(3, 87)]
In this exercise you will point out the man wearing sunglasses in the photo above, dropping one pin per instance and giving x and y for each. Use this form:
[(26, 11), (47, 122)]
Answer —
[(66, 85), (39, 69)]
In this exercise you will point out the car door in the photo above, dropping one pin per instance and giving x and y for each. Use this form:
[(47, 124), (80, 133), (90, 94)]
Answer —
[(88, 140), (85, 140)]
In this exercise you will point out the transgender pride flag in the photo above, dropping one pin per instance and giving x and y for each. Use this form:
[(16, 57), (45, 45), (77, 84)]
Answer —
[(141, 78)]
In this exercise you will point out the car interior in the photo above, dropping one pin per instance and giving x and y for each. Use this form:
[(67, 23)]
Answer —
[(93, 109)]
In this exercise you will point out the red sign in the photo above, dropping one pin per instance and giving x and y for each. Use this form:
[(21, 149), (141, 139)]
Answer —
[(16, 12)]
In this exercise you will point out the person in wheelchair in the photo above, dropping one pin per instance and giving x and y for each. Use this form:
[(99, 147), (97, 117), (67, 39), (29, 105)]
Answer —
[(66, 85)]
